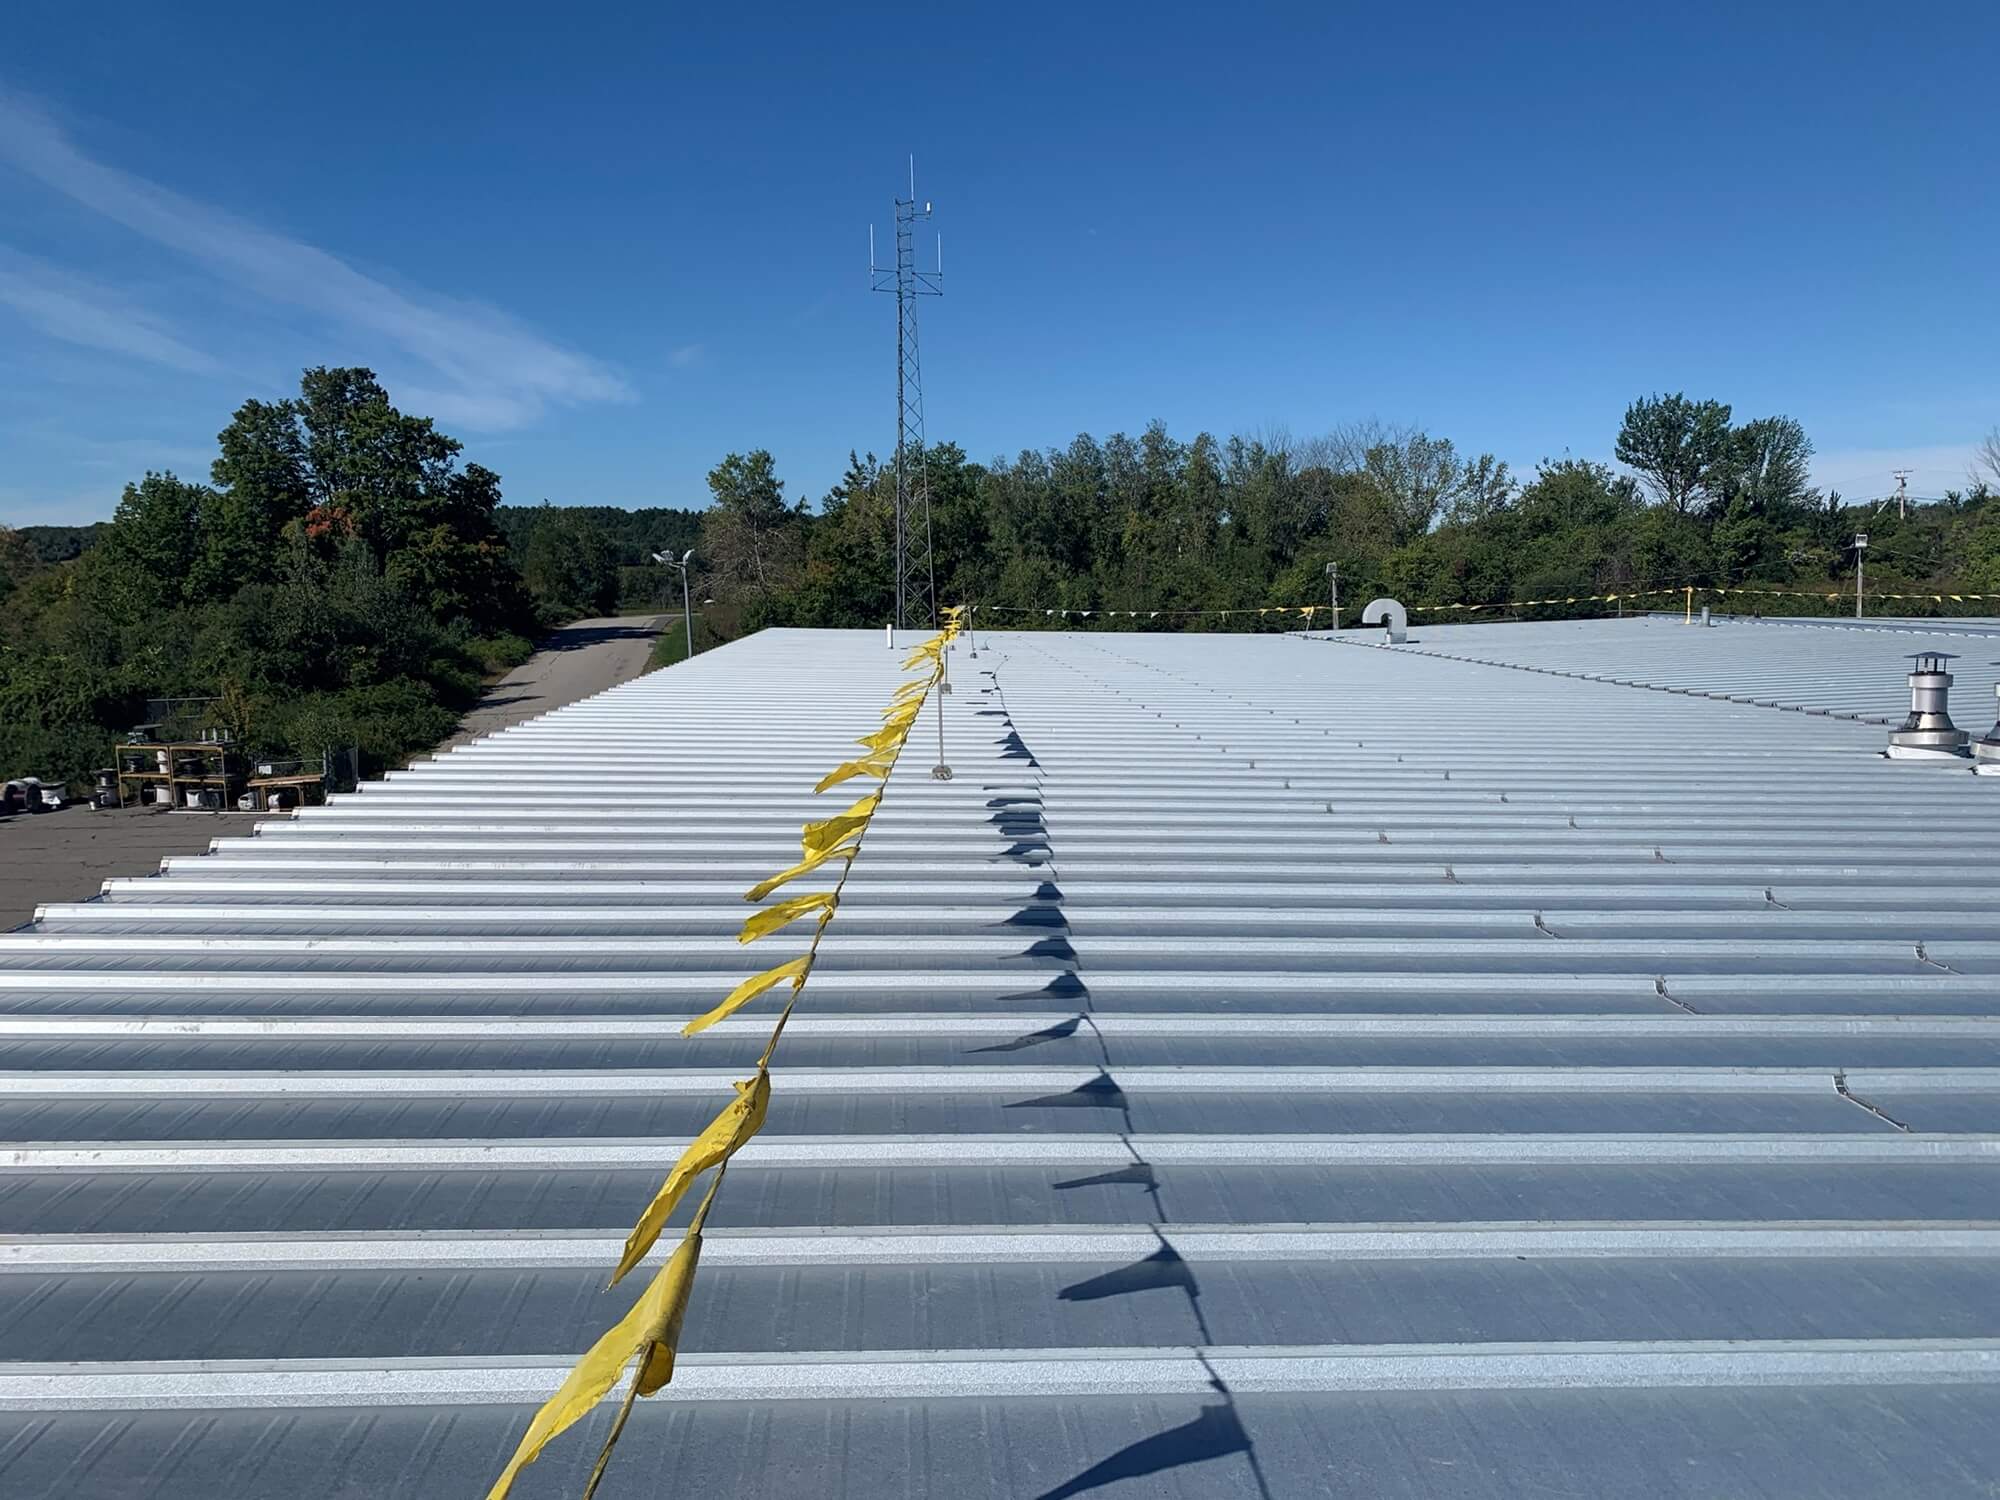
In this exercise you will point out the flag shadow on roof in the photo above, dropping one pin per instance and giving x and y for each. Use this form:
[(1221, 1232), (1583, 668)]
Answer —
[(1101, 1092), (1061, 1031), (1216, 1432), (1160, 1271)]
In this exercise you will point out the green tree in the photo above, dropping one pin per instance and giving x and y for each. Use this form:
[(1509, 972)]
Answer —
[(17, 560), (572, 563), (751, 539), (1416, 475), (341, 461), (1484, 488), (1769, 466), (1682, 447), (156, 545), (341, 568)]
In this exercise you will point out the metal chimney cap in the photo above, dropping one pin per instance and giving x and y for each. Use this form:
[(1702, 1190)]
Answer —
[(1928, 733), (1986, 752)]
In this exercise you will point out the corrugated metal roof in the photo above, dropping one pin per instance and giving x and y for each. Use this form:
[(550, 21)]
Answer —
[(1846, 668), (1268, 1065)]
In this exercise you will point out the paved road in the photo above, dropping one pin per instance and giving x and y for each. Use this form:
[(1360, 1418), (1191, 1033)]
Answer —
[(578, 660), (67, 855)]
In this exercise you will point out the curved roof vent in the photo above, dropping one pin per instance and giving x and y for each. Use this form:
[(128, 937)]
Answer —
[(1928, 733), (1395, 620)]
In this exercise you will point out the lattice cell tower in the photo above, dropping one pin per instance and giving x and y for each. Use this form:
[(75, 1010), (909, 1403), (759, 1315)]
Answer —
[(916, 583)]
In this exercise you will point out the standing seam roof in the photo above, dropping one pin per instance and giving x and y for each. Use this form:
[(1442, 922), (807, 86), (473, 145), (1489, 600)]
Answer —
[(1269, 1066)]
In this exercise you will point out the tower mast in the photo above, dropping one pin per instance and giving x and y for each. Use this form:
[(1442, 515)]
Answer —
[(916, 583)]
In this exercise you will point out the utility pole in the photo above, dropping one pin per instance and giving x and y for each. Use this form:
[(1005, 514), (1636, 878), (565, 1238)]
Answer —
[(1860, 556), (687, 612), (1903, 493), (1333, 589), (916, 585)]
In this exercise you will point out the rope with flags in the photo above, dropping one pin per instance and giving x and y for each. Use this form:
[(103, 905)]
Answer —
[(1307, 612), (650, 1331)]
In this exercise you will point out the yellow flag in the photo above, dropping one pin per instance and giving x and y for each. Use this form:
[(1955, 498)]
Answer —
[(772, 918), (884, 740), (927, 652), (805, 866), (902, 716), (651, 1328), (876, 766), (794, 970), (741, 1118), (830, 831), (821, 837), (656, 1361)]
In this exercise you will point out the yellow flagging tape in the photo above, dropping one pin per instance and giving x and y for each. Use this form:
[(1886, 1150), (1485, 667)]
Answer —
[(1529, 603), (793, 969), (874, 765), (651, 1329), (1831, 596), (824, 834), (774, 918), (741, 1118), (650, 1332), (805, 866)]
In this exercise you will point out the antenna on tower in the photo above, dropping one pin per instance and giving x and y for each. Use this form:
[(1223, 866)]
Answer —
[(916, 585), (1903, 492)]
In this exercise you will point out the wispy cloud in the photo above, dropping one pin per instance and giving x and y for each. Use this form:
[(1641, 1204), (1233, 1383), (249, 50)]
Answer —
[(78, 311), (686, 357), (488, 368)]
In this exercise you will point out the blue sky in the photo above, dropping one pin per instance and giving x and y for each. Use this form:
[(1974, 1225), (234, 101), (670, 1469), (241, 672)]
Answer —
[(606, 249)]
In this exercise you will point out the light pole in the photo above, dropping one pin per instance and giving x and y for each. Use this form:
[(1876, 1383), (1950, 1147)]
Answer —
[(1333, 588), (687, 614), (1860, 556)]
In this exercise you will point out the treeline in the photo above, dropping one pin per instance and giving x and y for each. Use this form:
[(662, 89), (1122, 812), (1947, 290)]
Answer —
[(1161, 523), (596, 559), (341, 579), (54, 544)]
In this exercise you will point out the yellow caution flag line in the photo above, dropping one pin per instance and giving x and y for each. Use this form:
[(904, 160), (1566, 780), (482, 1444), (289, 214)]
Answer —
[(1307, 611), (650, 1331)]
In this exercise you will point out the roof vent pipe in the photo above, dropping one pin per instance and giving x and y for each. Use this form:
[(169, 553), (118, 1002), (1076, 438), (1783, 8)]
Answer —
[(1986, 752), (1394, 619), (1928, 733)]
